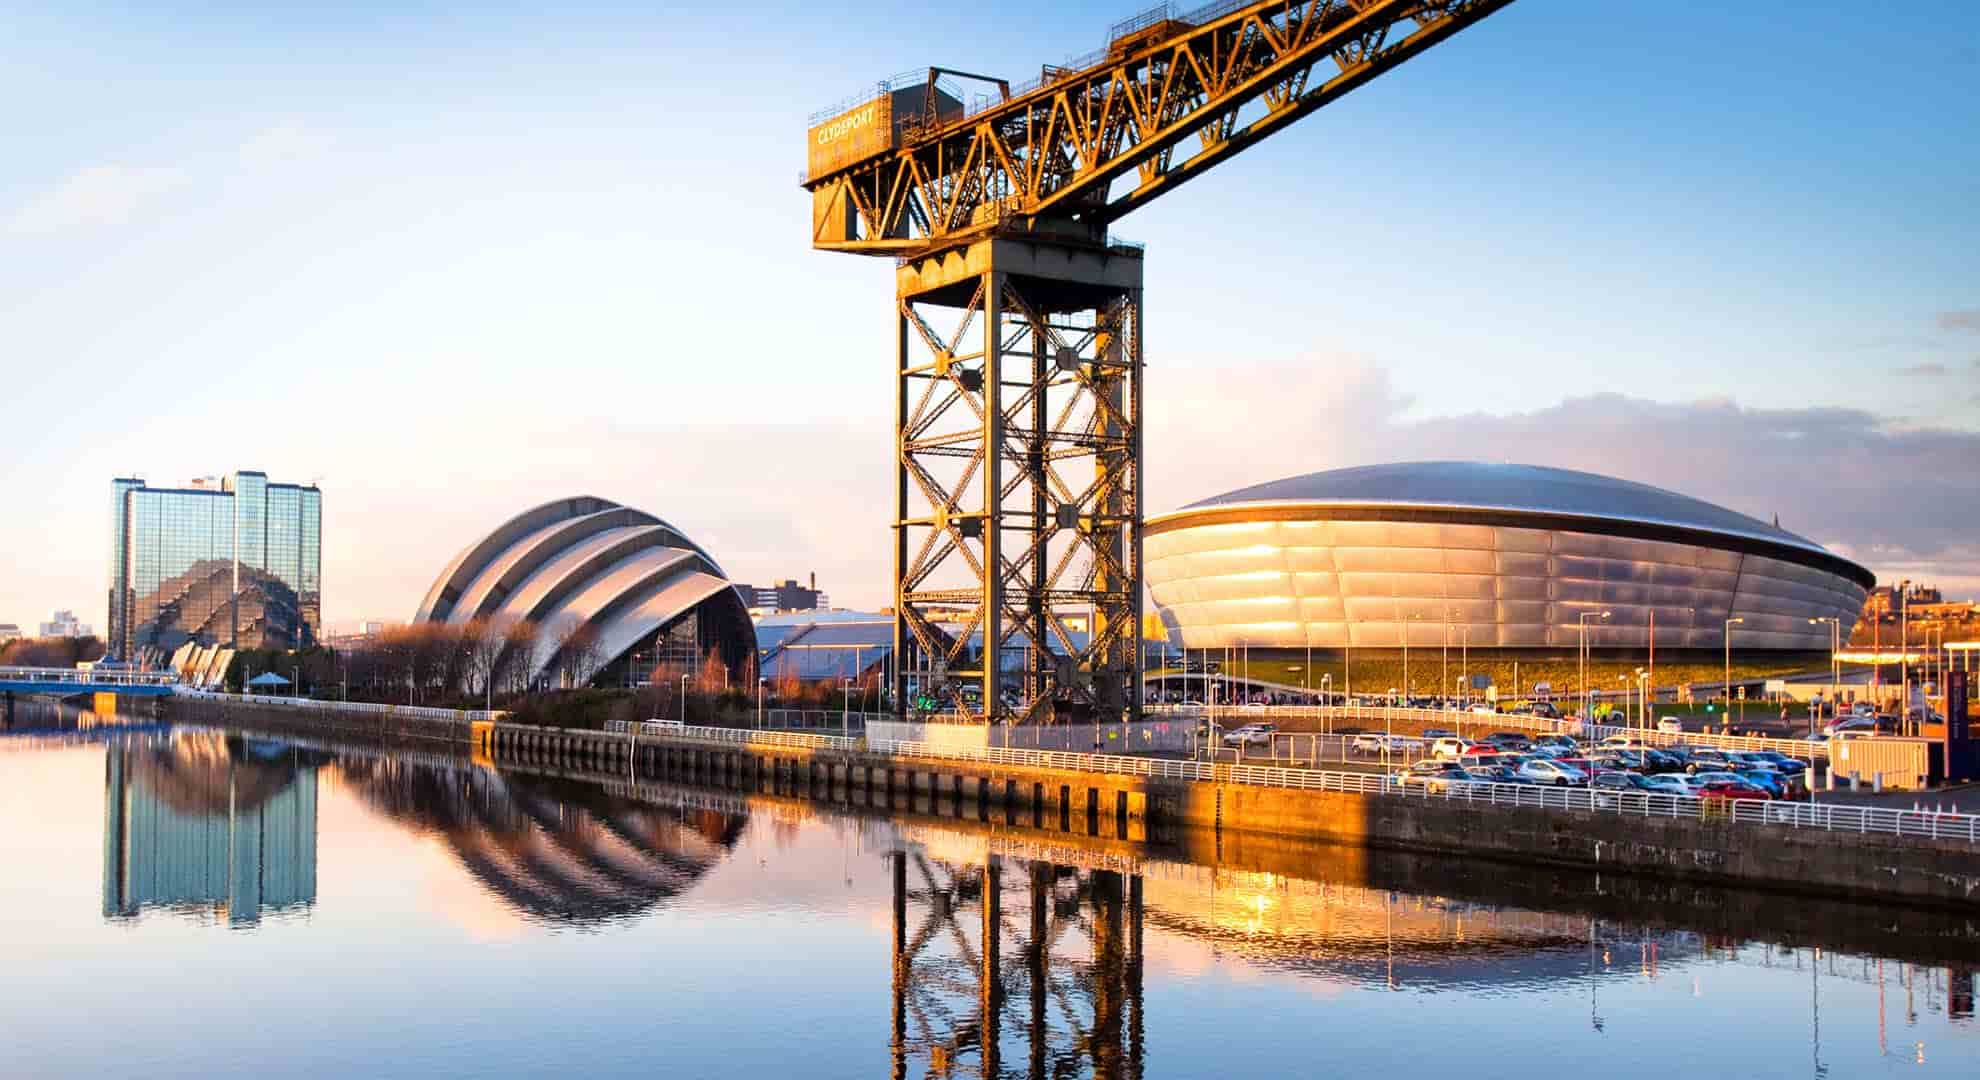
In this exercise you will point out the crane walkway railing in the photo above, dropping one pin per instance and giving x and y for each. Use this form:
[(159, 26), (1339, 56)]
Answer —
[(1819, 816)]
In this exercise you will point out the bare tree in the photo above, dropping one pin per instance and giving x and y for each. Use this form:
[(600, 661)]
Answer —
[(481, 646), (522, 648), (577, 653)]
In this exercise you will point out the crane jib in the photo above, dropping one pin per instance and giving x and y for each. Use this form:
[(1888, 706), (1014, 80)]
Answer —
[(1172, 94)]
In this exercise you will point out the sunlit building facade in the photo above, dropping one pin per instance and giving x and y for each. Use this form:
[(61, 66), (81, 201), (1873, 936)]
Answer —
[(635, 590), (1496, 556), (234, 561)]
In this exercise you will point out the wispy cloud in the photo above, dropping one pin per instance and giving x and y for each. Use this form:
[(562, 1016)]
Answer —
[(1843, 477), (1929, 369), (1967, 321), (98, 195)]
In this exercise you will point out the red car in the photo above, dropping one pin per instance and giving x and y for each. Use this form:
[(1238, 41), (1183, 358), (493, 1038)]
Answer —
[(1726, 789)]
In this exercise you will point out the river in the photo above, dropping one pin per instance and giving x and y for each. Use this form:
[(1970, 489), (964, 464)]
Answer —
[(196, 902)]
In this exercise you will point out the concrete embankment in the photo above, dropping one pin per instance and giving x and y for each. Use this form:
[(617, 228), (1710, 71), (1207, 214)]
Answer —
[(1710, 850)]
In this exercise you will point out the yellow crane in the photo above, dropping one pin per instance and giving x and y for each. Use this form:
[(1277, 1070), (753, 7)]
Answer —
[(1017, 535)]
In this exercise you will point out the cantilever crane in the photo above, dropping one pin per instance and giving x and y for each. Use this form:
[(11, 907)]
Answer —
[(1018, 494)]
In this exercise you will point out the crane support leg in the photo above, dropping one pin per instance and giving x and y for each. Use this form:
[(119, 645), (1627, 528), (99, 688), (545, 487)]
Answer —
[(1018, 496)]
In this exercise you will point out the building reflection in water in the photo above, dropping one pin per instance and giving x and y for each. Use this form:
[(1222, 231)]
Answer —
[(552, 851), (201, 822)]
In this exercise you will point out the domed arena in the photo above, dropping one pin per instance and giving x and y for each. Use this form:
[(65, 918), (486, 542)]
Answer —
[(1509, 556)]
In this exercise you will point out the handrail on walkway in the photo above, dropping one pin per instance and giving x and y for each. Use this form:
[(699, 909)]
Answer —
[(1824, 816)]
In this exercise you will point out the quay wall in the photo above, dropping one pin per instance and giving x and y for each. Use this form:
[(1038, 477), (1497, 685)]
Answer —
[(1807, 861)]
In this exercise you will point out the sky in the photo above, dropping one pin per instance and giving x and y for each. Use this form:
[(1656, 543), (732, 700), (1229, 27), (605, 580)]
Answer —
[(452, 261)]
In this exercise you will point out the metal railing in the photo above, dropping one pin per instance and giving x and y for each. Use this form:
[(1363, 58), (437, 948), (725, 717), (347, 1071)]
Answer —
[(79, 677), (1823, 816), (363, 708), (1462, 720)]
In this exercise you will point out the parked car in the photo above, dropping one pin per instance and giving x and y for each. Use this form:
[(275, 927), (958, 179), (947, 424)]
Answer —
[(1250, 735), (1621, 781), (1786, 764), (1543, 771), (1558, 741), (1625, 741), (1703, 759), (1544, 709), (1439, 733), (1657, 759), (1494, 772), (1852, 725), (1669, 725), (1729, 789), (1510, 740), (1450, 746), (1772, 782), (1672, 784)]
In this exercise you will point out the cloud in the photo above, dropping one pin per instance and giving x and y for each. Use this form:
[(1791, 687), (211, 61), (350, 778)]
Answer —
[(1840, 476), (1930, 369), (99, 195), (1968, 321)]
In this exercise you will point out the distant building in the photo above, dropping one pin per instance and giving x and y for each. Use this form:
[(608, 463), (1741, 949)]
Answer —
[(64, 624), (789, 596), (9, 632), (233, 561)]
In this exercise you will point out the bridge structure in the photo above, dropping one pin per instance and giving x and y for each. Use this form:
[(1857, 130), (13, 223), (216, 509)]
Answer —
[(67, 682), (1018, 345)]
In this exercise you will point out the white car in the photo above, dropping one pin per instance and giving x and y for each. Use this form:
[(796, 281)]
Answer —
[(1250, 735), (1625, 742), (1394, 744), (1543, 771), (1670, 725), (1450, 747), (1485, 710), (1674, 784)]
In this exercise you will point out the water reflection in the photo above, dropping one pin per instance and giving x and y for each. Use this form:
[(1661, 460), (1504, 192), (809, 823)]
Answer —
[(555, 852), (208, 824), (730, 931)]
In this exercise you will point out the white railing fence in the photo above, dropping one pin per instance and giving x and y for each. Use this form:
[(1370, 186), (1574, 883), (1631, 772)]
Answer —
[(1822, 816), (354, 708), (79, 677)]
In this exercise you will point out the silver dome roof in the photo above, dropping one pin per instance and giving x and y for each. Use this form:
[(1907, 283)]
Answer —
[(1480, 485)]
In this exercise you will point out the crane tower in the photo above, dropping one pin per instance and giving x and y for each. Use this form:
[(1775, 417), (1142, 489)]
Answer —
[(1019, 321)]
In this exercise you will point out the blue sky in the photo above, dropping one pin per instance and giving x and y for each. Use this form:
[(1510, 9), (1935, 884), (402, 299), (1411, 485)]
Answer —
[(457, 259)]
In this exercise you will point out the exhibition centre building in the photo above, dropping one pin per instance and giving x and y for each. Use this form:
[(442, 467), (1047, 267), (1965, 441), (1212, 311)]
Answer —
[(1507, 556), (645, 594)]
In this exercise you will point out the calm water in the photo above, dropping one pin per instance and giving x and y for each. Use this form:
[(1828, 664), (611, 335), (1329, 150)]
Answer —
[(184, 902)]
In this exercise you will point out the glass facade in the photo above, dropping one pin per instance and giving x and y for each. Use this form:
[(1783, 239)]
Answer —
[(234, 563)]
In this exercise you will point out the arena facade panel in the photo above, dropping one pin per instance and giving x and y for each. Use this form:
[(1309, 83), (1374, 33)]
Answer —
[(1510, 556)]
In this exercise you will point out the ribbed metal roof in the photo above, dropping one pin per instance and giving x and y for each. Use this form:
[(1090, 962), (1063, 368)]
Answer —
[(1480, 485)]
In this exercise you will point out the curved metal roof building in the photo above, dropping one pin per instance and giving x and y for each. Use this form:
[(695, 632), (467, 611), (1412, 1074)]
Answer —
[(646, 591), (1512, 555)]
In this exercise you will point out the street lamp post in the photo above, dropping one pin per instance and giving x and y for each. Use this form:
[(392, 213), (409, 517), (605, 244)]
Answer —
[(1835, 668), (760, 680), (1904, 652), (1582, 676), (684, 716), (1728, 641)]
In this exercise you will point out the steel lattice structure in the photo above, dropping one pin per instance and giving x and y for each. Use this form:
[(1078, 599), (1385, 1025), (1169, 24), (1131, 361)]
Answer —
[(1019, 357), (1065, 979)]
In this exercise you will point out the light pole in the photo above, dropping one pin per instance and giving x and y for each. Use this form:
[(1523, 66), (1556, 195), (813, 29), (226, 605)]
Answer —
[(760, 680), (1581, 677), (684, 680), (845, 706), (1406, 695), (1904, 652), (1835, 668), (1729, 664), (1444, 668)]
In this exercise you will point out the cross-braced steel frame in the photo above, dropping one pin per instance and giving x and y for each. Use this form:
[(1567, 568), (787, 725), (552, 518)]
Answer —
[(1018, 479), (958, 990)]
